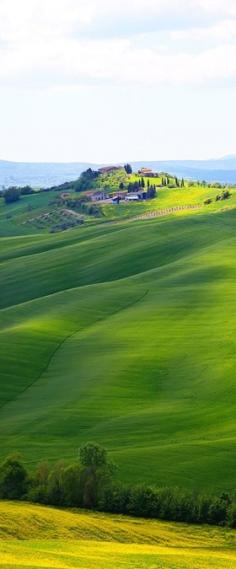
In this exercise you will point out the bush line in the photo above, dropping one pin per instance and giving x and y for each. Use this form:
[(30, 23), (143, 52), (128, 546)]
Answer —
[(90, 483)]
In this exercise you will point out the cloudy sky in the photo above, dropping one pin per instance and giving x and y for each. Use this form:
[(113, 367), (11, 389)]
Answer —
[(113, 80)]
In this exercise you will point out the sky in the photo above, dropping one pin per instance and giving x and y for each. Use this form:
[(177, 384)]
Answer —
[(116, 80)]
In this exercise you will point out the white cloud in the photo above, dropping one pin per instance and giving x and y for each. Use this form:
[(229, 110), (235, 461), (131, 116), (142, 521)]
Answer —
[(224, 30), (222, 9), (56, 42)]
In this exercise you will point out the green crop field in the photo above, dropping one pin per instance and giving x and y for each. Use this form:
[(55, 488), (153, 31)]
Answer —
[(124, 333), (36, 537), (171, 198)]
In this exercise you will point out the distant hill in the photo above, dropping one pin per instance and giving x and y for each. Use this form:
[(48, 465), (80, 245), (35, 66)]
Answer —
[(50, 174), (221, 170), (41, 174)]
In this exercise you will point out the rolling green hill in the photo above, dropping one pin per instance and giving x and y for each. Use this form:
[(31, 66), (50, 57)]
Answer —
[(35, 536), (124, 333)]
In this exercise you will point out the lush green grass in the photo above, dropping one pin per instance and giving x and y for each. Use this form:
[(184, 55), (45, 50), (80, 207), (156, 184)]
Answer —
[(124, 333), (14, 217), (171, 198), (40, 212), (33, 536)]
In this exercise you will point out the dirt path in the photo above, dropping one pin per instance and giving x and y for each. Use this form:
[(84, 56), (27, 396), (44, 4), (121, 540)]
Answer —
[(167, 211)]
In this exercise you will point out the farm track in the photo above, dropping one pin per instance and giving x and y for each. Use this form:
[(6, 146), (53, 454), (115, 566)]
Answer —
[(164, 212)]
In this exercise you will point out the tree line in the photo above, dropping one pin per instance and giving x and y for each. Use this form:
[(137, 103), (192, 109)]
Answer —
[(90, 482), (14, 193)]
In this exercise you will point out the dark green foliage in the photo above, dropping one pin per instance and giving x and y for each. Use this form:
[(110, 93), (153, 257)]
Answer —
[(217, 513), (39, 483), (97, 473), (128, 168), (26, 191), (133, 187), (151, 193), (12, 195), (224, 196), (13, 479), (72, 486), (232, 516), (86, 180), (89, 483), (55, 485), (92, 455)]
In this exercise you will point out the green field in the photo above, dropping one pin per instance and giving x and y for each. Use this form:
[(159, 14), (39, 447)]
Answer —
[(124, 333), (171, 198), (36, 537)]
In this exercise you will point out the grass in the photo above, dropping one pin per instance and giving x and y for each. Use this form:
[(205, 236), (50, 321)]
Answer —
[(172, 198), (35, 536), (124, 333), (14, 217)]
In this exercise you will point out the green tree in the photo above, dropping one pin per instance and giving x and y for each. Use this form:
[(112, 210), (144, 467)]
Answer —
[(72, 486), (97, 473), (232, 516), (55, 489), (39, 484), (14, 478), (26, 190), (128, 168), (12, 195)]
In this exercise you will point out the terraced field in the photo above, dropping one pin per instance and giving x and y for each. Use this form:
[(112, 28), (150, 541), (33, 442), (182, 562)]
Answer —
[(124, 333), (34, 536)]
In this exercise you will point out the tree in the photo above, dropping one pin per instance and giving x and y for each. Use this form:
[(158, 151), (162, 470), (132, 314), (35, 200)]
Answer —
[(55, 489), (143, 182), (121, 186), (232, 516), (12, 195), (72, 487), (13, 478), (39, 484), (151, 193), (182, 183), (86, 180), (92, 455), (26, 190), (97, 473), (128, 168)]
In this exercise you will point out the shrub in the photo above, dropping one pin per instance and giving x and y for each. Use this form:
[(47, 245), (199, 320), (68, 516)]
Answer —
[(14, 478), (12, 195), (90, 483), (232, 516)]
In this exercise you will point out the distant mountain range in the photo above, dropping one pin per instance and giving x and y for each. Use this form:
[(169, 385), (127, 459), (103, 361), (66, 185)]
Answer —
[(49, 174)]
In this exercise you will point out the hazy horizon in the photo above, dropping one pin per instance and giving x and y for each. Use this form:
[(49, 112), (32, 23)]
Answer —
[(121, 162)]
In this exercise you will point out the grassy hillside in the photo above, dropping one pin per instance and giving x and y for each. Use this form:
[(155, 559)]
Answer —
[(33, 536), (124, 333), (45, 212), (172, 198)]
